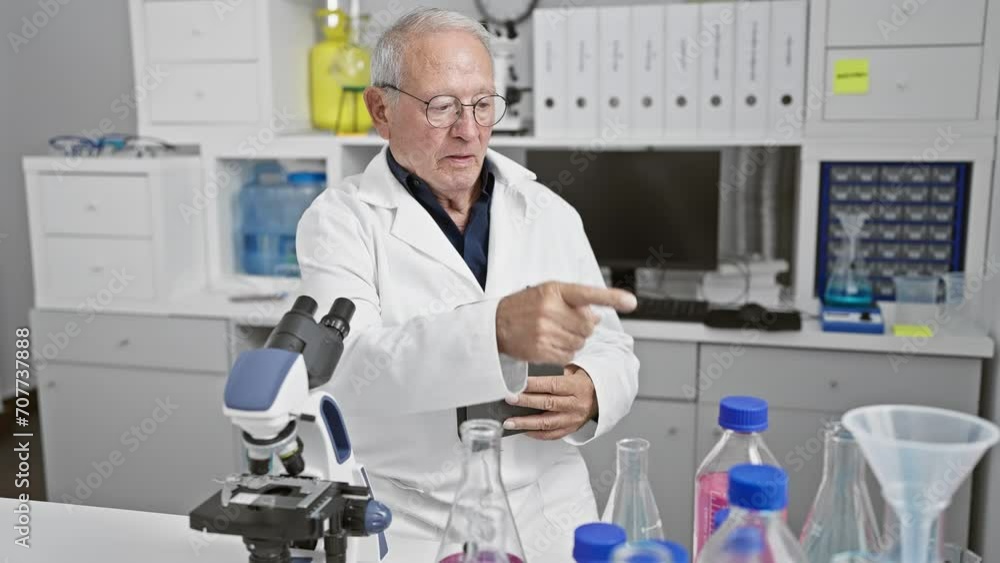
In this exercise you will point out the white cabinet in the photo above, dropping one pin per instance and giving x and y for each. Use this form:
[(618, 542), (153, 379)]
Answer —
[(903, 86), (127, 231), (225, 70), (807, 387), (669, 427), (149, 437), (884, 23)]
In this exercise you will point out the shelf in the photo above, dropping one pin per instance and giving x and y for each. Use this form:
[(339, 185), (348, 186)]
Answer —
[(594, 144)]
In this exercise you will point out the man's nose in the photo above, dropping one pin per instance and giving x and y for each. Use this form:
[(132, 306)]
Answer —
[(466, 126)]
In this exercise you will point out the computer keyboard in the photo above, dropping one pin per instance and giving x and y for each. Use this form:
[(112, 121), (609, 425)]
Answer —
[(679, 310)]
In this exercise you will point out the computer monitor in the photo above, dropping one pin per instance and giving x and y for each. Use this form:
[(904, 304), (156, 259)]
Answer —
[(649, 209)]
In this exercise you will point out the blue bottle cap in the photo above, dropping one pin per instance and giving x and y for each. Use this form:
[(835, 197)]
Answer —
[(758, 487), (745, 541), (718, 518), (677, 552), (743, 414), (307, 178), (596, 541)]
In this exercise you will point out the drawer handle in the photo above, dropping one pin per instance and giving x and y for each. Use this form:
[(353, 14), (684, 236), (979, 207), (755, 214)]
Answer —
[(199, 94), (195, 32), (97, 269), (92, 206), (901, 85), (834, 384), (672, 431), (717, 432), (124, 342)]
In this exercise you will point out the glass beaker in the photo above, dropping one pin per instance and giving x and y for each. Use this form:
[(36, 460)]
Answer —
[(631, 504), (842, 518), (849, 284), (916, 305), (963, 312), (481, 526)]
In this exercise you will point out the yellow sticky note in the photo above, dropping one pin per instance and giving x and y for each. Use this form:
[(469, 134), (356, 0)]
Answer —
[(850, 76), (913, 331)]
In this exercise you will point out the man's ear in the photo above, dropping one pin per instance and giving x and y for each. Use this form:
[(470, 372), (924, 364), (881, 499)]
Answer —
[(375, 101)]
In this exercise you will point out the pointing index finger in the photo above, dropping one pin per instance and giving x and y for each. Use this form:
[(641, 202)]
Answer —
[(576, 295)]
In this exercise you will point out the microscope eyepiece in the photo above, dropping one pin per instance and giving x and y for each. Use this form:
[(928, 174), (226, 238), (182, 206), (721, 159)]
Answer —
[(339, 317), (305, 304)]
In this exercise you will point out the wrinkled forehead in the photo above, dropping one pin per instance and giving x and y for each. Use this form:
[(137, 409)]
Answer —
[(447, 63)]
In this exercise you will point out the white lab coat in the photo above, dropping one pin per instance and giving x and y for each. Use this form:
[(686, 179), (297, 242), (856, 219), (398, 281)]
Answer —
[(423, 343)]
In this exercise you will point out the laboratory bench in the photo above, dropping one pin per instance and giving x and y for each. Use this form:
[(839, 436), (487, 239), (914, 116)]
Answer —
[(86, 534), (103, 373)]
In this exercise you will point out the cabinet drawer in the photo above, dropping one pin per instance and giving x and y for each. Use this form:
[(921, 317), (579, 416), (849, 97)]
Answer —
[(885, 23), (192, 31), (99, 268), (131, 340), (206, 93), (96, 205), (667, 370), (903, 86), (837, 381)]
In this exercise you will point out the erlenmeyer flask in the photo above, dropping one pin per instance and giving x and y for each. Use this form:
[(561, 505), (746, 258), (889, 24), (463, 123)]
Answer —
[(842, 518), (631, 504), (849, 284), (481, 525)]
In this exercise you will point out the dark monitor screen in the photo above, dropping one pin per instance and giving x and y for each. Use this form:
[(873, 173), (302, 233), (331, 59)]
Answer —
[(650, 209)]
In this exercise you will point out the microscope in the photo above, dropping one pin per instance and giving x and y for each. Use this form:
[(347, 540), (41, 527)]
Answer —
[(304, 484)]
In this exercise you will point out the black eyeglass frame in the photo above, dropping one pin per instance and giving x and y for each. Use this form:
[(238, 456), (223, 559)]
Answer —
[(427, 106)]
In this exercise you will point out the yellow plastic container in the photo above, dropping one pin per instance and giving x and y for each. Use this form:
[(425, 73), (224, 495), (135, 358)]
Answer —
[(339, 70)]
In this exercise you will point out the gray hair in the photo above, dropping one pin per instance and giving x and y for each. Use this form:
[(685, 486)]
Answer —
[(390, 50)]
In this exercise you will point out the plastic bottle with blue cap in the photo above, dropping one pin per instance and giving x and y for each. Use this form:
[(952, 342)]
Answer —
[(743, 419), (758, 497), (594, 543)]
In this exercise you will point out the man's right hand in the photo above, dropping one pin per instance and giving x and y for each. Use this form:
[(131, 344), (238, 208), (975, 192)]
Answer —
[(549, 323)]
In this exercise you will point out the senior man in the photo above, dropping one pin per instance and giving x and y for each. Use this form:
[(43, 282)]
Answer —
[(464, 269)]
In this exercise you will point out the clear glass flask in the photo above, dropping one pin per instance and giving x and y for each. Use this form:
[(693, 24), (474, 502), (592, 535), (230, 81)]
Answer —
[(842, 518), (642, 552), (631, 504), (481, 526), (849, 284)]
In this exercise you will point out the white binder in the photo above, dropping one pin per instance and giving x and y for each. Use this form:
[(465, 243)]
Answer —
[(648, 71), (550, 95), (615, 57), (683, 66), (583, 75), (788, 67), (753, 39), (717, 34)]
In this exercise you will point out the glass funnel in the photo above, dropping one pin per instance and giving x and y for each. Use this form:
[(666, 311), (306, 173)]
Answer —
[(631, 504), (842, 518), (481, 526), (849, 285)]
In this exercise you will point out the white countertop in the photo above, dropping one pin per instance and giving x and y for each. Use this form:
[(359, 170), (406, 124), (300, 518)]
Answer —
[(208, 304), (61, 533)]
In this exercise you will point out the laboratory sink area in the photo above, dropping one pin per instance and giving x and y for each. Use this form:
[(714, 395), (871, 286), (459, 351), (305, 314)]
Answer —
[(483, 281)]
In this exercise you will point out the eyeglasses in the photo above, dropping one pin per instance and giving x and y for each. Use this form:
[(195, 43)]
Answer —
[(113, 144), (443, 111)]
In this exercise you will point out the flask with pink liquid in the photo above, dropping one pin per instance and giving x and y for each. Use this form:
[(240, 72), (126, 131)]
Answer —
[(742, 420)]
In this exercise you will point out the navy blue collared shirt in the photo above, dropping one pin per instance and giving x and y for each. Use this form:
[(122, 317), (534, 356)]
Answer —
[(473, 245)]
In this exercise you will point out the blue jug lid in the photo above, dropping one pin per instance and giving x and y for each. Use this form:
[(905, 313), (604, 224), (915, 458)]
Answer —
[(307, 178), (758, 487), (596, 541), (743, 414)]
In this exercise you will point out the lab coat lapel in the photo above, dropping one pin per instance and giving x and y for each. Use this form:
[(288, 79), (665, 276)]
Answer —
[(414, 226), (411, 223), (508, 210)]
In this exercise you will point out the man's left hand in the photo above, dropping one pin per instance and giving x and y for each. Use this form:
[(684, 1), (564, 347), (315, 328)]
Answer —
[(570, 400)]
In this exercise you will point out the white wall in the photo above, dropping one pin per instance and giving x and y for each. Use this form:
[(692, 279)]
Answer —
[(63, 80)]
